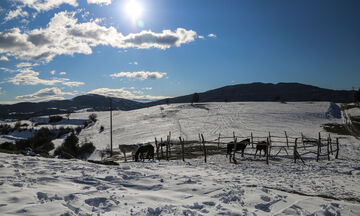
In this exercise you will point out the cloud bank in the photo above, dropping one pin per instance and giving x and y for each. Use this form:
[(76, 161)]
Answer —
[(45, 94), (141, 75), (122, 93), (99, 2), (64, 35), (27, 76)]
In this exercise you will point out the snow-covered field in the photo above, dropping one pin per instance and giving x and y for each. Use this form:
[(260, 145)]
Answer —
[(143, 125), (39, 186)]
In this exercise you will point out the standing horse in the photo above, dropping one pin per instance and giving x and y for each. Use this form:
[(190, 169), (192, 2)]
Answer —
[(261, 146), (148, 149), (239, 146), (128, 148)]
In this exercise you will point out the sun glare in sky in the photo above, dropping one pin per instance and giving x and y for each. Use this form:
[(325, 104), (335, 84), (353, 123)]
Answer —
[(133, 9)]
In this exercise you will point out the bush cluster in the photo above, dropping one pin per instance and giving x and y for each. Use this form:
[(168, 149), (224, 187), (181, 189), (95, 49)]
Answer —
[(54, 119), (6, 129), (70, 148), (39, 143), (93, 117)]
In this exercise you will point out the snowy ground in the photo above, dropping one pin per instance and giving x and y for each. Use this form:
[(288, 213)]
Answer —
[(39, 186)]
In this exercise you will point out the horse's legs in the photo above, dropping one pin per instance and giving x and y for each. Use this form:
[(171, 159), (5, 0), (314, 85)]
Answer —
[(124, 152), (255, 153)]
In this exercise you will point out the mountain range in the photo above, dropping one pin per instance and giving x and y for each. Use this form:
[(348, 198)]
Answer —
[(240, 92)]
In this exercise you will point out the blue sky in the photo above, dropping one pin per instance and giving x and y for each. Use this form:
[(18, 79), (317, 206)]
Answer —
[(54, 51)]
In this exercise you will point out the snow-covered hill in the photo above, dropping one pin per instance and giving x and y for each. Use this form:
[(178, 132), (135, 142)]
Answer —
[(39, 186), (143, 125)]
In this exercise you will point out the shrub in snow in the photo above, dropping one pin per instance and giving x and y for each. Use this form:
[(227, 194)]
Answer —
[(93, 117), (54, 119), (70, 148), (6, 129), (86, 123), (334, 111), (8, 146), (86, 150), (62, 131), (101, 129), (78, 130), (357, 96), (39, 143), (196, 98)]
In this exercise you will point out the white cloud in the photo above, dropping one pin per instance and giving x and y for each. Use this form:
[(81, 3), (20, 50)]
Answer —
[(27, 76), (53, 72), (105, 2), (4, 58), (201, 37), (65, 36), (73, 83), (62, 73), (147, 88), (212, 35), (45, 5), (135, 63), (26, 64), (18, 12), (8, 70), (122, 93), (45, 94), (141, 75)]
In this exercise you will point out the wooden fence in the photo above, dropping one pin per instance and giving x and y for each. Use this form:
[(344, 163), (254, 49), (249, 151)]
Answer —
[(296, 148)]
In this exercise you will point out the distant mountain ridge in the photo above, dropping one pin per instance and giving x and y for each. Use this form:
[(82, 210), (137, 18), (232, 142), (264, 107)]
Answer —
[(268, 92), (93, 101), (240, 92)]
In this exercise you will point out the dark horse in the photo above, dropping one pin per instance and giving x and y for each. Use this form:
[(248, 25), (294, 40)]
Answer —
[(261, 146), (240, 146), (148, 149)]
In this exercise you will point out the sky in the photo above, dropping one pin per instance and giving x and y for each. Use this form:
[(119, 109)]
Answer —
[(153, 49)]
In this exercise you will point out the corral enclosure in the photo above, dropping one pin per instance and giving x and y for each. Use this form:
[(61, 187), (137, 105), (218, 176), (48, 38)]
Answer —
[(210, 119)]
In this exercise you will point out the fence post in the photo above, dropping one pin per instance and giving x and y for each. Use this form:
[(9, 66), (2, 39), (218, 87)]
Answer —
[(302, 137), (328, 148), (168, 143), (161, 147), (252, 140), (287, 139), (203, 142), (218, 142), (157, 149), (167, 148), (295, 150), (320, 141), (302, 140), (182, 148), (267, 151), (318, 149), (331, 149), (337, 148)]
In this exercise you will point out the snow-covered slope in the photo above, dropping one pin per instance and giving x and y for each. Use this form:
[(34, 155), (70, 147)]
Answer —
[(143, 125)]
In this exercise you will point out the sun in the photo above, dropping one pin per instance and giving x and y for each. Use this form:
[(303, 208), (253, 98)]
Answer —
[(133, 9)]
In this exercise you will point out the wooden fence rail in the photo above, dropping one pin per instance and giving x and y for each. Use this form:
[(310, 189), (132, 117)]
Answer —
[(301, 146)]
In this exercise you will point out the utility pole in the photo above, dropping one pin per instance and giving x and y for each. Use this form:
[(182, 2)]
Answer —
[(111, 151)]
